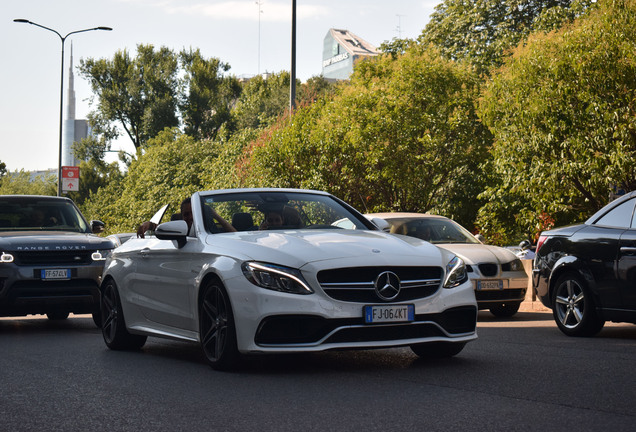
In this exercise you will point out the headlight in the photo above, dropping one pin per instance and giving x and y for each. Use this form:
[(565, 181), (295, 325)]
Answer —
[(455, 273), (277, 278), (101, 255), (515, 265), (6, 258)]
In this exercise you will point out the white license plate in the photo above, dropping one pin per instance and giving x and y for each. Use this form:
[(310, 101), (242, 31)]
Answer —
[(56, 274), (389, 313), (490, 285)]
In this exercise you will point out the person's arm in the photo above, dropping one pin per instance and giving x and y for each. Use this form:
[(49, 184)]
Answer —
[(225, 224), (146, 226)]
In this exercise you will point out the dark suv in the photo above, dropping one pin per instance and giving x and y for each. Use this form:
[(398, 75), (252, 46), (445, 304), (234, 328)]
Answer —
[(51, 261)]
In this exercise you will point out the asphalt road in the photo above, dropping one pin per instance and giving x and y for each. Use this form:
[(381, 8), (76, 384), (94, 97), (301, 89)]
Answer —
[(521, 374)]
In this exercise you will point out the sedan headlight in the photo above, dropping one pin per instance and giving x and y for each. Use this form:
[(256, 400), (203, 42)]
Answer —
[(455, 273), (277, 278), (514, 265)]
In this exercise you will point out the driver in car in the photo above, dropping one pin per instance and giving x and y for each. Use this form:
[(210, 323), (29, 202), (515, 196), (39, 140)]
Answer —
[(186, 215)]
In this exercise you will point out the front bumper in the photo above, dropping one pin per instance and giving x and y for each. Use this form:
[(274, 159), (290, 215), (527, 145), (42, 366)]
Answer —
[(23, 292), (514, 291), (274, 322)]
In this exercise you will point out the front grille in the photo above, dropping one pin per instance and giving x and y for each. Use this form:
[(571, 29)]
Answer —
[(356, 284), (489, 269), (53, 258)]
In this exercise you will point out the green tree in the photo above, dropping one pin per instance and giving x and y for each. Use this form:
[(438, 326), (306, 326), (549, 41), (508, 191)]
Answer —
[(139, 94), (482, 31), (158, 89), (174, 166), (265, 99), (3, 169), (23, 183), (262, 101), (95, 173), (209, 95), (563, 115), (382, 150)]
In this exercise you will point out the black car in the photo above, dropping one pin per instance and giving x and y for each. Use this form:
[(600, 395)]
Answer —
[(51, 262), (587, 273)]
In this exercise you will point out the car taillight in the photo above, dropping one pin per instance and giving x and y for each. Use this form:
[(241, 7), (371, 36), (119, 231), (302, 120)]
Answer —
[(542, 239)]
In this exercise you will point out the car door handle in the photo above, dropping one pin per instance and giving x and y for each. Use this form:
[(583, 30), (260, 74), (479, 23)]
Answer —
[(144, 252), (628, 250)]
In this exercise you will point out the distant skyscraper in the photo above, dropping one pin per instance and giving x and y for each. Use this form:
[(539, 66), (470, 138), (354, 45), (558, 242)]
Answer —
[(74, 130)]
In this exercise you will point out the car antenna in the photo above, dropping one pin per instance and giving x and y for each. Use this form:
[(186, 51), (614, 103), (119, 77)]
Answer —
[(366, 210)]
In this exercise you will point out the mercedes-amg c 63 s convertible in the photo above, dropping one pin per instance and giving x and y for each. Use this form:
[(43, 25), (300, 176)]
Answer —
[(264, 271)]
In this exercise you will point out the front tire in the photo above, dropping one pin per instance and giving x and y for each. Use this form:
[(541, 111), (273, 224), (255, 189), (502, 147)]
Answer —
[(113, 325), (573, 307), (217, 330), (438, 350), (505, 310)]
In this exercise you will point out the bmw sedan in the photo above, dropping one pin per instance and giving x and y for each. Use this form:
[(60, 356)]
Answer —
[(586, 273), (283, 278), (497, 275)]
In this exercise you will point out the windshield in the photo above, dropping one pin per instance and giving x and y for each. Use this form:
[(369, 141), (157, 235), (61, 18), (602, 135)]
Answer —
[(39, 214), (250, 211), (434, 230)]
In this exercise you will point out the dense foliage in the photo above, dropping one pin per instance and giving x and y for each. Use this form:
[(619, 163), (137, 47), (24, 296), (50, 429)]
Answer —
[(430, 125), (376, 148), (481, 31), (563, 114), (157, 89)]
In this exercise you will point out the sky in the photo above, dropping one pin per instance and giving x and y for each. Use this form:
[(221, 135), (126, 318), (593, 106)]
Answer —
[(251, 36)]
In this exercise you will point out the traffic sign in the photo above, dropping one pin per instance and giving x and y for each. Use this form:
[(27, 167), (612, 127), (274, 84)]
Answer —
[(70, 178)]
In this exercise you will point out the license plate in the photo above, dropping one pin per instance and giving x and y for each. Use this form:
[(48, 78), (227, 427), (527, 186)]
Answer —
[(490, 285), (389, 313), (56, 274)]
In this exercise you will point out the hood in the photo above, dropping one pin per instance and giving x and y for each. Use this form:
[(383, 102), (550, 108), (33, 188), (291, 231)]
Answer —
[(479, 253), (17, 241), (299, 247)]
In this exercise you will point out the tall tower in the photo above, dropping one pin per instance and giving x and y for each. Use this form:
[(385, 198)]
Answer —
[(74, 130)]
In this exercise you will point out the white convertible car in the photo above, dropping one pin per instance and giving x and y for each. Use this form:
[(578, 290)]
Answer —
[(287, 280)]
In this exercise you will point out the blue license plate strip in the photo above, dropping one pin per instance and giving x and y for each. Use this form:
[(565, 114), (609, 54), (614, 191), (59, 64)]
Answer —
[(55, 274), (374, 314)]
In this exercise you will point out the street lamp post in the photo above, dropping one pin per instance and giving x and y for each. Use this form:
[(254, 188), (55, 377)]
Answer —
[(292, 78), (63, 39)]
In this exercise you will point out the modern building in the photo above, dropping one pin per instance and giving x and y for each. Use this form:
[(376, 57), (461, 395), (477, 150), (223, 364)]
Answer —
[(74, 130), (340, 52)]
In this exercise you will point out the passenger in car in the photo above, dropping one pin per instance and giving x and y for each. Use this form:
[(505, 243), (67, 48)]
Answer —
[(273, 219)]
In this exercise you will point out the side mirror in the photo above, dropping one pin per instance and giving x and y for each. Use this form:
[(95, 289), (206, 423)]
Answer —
[(97, 226), (524, 245), (381, 224), (173, 230)]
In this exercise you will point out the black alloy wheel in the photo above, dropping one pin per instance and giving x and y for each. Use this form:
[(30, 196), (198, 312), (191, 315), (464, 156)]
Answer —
[(437, 350), (573, 307), (113, 325), (217, 331)]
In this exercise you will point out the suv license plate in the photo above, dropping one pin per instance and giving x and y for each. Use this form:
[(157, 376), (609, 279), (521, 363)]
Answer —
[(56, 274), (389, 313)]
